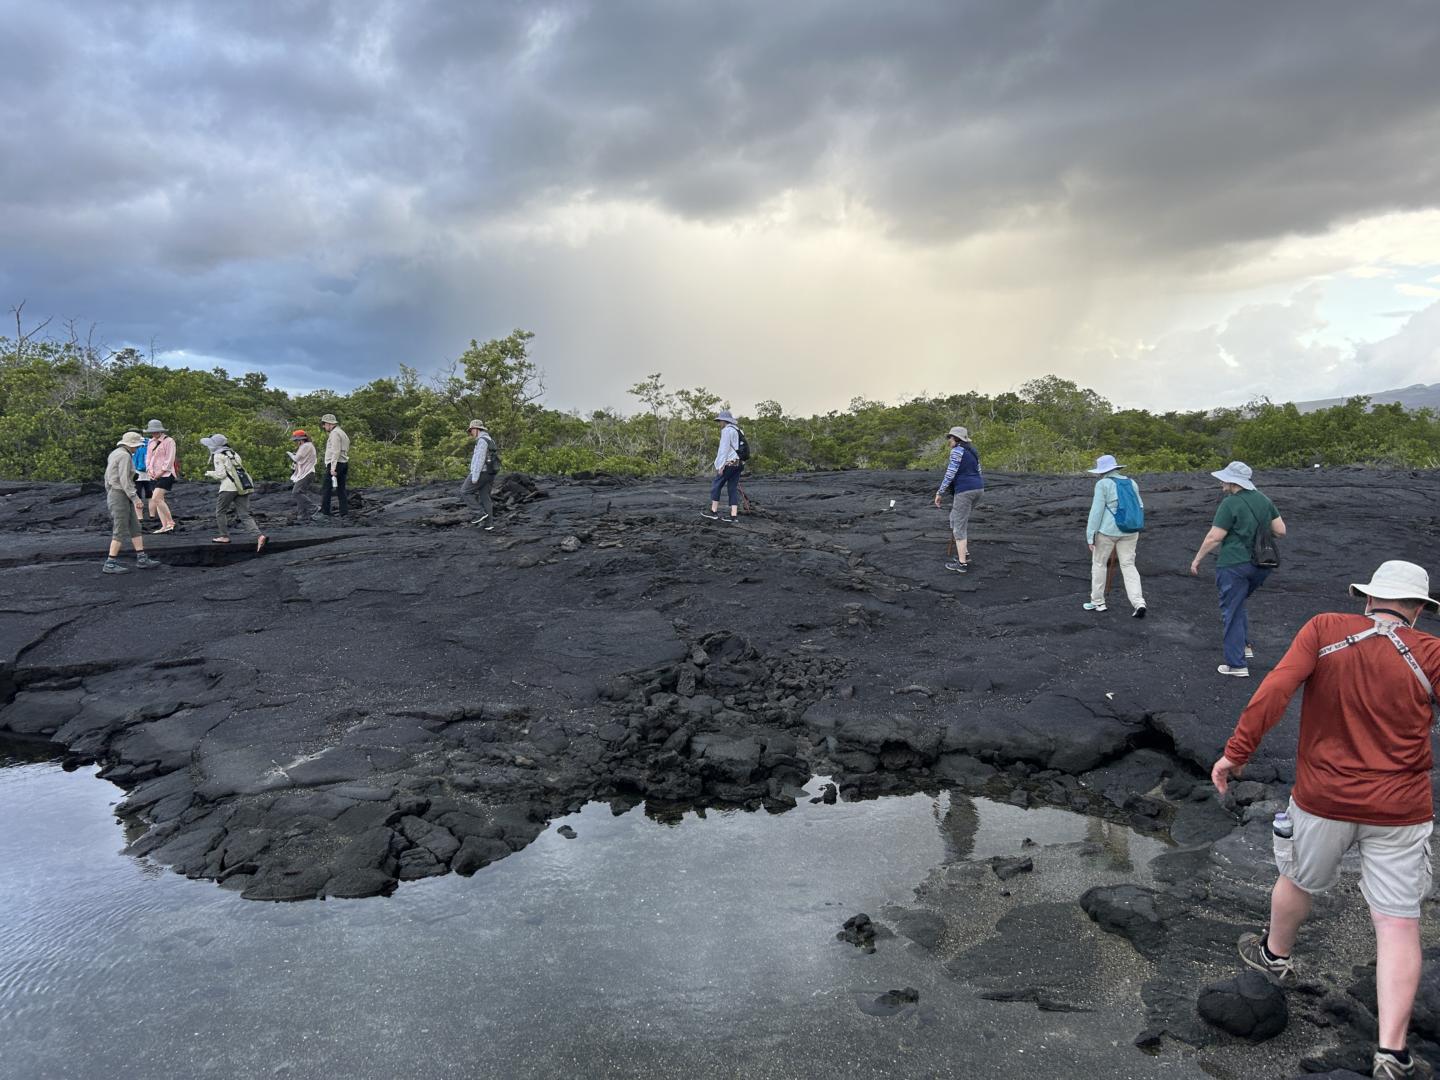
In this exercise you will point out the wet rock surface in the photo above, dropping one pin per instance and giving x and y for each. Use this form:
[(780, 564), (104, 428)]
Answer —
[(400, 696)]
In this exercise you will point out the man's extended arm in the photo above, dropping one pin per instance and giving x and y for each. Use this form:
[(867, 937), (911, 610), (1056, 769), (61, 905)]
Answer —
[(1268, 705)]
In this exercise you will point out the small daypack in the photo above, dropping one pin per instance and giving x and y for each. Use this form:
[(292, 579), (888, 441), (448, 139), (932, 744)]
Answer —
[(1264, 548), (242, 478), (492, 456), (1129, 514), (742, 447), (138, 457)]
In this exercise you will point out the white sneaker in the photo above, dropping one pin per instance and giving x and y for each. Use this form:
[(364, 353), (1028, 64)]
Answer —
[(1090, 605), (1249, 653), (1238, 672)]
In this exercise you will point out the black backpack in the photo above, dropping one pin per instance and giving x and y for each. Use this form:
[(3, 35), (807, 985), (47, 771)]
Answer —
[(492, 456), (742, 448), (1264, 548)]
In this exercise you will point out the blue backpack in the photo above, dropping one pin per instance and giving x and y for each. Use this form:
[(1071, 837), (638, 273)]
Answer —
[(1129, 514), (139, 456)]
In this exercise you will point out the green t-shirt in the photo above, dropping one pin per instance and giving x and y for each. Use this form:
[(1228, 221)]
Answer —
[(1239, 515)]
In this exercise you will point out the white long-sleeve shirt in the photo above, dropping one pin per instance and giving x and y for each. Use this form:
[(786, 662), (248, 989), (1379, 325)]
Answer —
[(729, 452), (483, 442), (304, 458)]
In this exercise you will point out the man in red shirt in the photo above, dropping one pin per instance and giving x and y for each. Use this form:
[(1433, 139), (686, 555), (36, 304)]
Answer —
[(1362, 779)]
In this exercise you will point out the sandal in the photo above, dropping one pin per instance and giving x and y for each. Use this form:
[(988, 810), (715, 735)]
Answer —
[(167, 528), (219, 539)]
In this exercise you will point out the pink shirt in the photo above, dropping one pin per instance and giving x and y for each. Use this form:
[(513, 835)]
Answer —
[(160, 457)]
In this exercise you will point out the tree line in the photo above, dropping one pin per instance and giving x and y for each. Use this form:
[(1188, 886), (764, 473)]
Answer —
[(64, 402)]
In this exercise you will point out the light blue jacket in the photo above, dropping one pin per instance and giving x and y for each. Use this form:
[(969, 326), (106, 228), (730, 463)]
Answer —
[(1102, 508)]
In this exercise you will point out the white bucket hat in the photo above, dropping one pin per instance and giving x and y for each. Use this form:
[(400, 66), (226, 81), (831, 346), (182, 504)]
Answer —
[(725, 416), (215, 442), (1105, 463), (1237, 472), (1397, 580), (131, 439), (958, 432)]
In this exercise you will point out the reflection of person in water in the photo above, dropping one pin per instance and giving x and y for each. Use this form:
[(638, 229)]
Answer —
[(958, 825), (1114, 839)]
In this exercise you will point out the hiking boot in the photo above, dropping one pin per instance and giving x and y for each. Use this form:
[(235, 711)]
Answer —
[(145, 562), (1385, 1064), (1090, 605), (1138, 613), (1282, 970), (112, 566), (1249, 653), (710, 515), (958, 567), (1238, 672)]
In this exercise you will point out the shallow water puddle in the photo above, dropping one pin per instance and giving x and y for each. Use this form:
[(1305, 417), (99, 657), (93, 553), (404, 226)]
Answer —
[(699, 947)]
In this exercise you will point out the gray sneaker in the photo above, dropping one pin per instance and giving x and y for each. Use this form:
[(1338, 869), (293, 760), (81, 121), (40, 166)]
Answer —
[(1387, 1065), (112, 566), (958, 567), (145, 562), (1282, 971)]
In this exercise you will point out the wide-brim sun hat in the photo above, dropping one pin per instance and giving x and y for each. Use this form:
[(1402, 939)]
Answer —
[(1397, 580), (1103, 464), (155, 427), (477, 425), (959, 432), (1237, 472), (215, 442), (131, 439), (725, 416), (329, 418)]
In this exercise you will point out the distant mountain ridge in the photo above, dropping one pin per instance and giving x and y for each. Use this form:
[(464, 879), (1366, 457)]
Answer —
[(1416, 396)]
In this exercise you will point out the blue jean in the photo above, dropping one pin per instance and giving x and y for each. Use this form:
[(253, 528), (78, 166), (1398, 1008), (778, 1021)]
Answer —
[(729, 477), (1235, 584)]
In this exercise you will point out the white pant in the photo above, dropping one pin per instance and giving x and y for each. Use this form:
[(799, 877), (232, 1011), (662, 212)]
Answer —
[(1124, 547)]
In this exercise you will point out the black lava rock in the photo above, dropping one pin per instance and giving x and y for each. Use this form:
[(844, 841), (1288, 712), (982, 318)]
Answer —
[(859, 931), (1005, 869), (1248, 1005)]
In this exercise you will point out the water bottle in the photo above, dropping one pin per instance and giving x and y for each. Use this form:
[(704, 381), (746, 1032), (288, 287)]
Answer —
[(1284, 840)]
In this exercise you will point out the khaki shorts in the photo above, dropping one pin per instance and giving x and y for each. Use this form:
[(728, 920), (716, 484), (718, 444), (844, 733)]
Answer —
[(1394, 860), (124, 525)]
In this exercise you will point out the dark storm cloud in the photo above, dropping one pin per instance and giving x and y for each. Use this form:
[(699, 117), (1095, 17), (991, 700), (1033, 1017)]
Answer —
[(289, 180)]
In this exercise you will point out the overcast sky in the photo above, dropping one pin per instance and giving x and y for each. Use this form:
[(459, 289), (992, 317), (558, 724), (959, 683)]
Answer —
[(1179, 204)]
